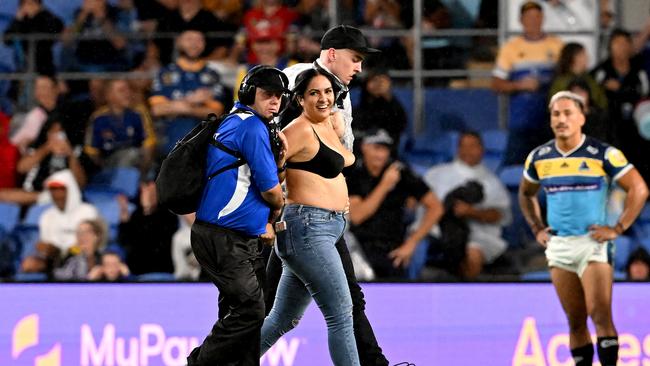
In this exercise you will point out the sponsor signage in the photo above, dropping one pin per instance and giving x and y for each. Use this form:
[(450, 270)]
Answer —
[(425, 324)]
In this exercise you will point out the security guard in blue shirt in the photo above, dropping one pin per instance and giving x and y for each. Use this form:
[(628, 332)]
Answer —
[(234, 216)]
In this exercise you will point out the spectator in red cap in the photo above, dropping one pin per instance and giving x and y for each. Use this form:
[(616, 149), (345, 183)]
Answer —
[(266, 48), (269, 15)]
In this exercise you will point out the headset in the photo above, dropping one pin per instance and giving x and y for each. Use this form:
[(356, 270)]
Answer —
[(250, 83)]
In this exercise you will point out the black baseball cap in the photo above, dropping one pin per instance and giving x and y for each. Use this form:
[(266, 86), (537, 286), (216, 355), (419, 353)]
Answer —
[(345, 36)]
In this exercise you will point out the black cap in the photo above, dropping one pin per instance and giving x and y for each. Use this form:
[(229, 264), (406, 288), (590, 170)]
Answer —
[(345, 36), (527, 5), (269, 79)]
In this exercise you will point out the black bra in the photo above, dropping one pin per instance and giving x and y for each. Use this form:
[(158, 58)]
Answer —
[(327, 163)]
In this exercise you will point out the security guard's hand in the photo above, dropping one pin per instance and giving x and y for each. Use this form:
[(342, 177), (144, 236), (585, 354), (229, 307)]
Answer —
[(268, 238)]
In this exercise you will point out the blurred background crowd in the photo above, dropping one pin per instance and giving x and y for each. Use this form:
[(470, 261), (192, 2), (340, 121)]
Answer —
[(94, 94)]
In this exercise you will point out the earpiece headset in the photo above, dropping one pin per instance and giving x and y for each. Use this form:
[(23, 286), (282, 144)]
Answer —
[(250, 83)]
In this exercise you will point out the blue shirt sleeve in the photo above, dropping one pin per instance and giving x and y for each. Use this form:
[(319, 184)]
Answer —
[(256, 149)]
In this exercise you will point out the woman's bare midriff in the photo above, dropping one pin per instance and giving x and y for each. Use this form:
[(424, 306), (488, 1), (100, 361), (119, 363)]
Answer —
[(313, 190)]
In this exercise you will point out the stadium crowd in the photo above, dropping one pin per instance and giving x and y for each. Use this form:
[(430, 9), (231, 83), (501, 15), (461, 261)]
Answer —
[(78, 156)]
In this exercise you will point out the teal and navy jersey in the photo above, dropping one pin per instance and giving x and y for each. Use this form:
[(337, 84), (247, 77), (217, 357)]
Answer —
[(576, 182), (176, 80), (233, 198)]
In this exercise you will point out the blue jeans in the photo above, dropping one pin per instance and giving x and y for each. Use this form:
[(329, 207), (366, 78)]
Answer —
[(311, 267)]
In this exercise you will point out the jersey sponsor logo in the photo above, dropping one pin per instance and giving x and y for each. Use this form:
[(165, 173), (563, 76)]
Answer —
[(616, 158), (557, 188), (584, 166)]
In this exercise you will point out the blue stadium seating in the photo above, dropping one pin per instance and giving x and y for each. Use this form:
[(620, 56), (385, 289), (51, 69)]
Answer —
[(27, 231), (517, 234), (494, 141), (511, 176), (123, 180), (641, 227), (9, 216), (624, 246), (156, 277), (543, 275), (109, 209), (645, 243), (30, 277), (418, 260), (492, 162)]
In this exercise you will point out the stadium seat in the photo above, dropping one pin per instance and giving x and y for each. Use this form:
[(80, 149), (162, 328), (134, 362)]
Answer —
[(123, 180), (9, 216), (26, 232), (641, 226), (645, 244), (494, 141), (624, 246), (418, 260), (492, 162), (110, 211), (511, 175), (95, 194), (156, 277), (34, 214), (543, 275), (30, 277), (517, 234)]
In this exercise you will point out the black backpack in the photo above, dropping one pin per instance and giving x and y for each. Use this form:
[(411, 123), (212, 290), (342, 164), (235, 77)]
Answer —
[(181, 179)]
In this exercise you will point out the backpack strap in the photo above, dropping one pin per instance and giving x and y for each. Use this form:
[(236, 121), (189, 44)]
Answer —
[(219, 145)]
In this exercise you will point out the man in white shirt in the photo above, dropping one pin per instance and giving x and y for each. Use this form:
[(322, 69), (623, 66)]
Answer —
[(486, 218)]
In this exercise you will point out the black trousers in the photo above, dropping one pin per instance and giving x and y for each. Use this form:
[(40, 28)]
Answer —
[(370, 353), (233, 263)]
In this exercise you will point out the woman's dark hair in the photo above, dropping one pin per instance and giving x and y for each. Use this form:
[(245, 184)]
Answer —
[(582, 84), (567, 55), (303, 79), (618, 32), (640, 254)]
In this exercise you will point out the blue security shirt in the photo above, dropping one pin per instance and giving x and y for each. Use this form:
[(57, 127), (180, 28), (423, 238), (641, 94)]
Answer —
[(576, 182), (232, 199)]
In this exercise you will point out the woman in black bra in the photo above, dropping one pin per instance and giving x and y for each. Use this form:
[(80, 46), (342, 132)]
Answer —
[(317, 198)]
